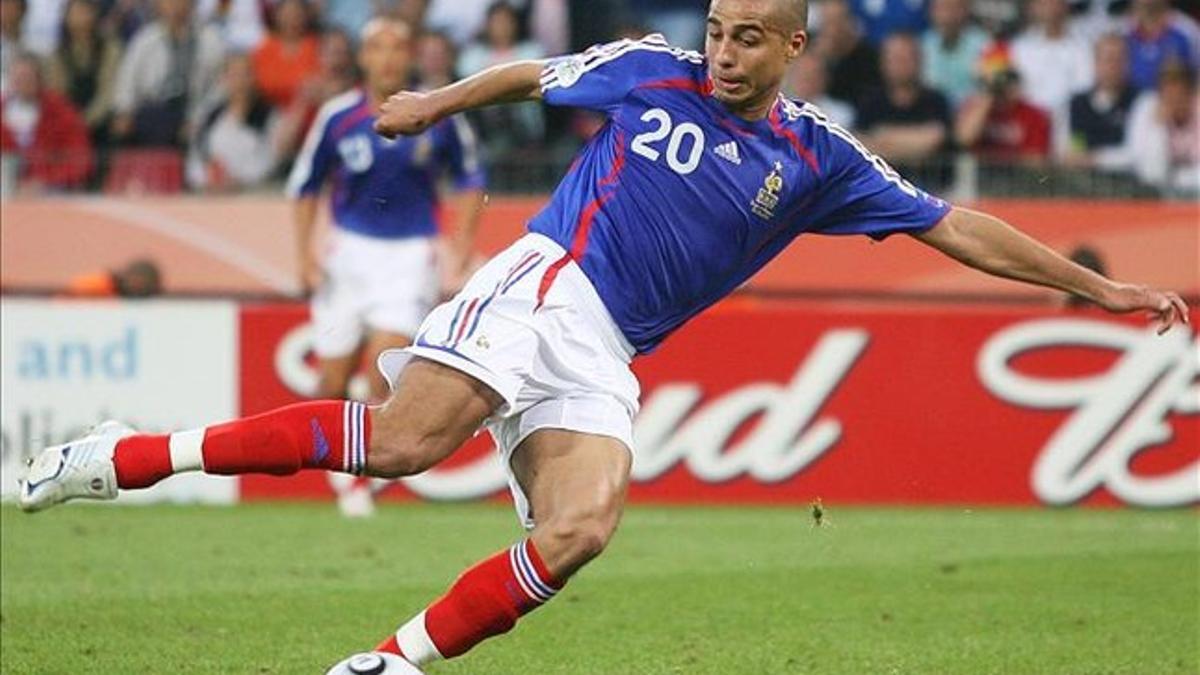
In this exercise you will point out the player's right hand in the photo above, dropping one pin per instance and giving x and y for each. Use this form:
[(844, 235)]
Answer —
[(1165, 308), (405, 113)]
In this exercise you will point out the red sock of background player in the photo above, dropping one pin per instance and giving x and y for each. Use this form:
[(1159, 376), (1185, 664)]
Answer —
[(331, 435), (486, 600)]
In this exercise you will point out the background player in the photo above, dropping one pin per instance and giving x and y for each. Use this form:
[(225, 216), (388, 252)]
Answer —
[(702, 174), (378, 276)]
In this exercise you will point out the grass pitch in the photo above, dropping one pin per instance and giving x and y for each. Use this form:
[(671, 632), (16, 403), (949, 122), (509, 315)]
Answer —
[(290, 589)]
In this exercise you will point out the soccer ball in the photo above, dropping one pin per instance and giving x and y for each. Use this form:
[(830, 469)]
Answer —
[(374, 663)]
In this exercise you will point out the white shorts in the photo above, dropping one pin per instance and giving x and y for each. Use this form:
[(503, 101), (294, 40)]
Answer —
[(385, 285), (530, 326)]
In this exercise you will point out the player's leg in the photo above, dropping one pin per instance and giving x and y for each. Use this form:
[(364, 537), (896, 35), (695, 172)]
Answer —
[(379, 341), (576, 485), (433, 411), (334, 373), (356, 494)]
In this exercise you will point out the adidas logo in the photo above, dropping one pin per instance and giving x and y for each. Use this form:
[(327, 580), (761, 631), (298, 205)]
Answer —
[(729, 152)]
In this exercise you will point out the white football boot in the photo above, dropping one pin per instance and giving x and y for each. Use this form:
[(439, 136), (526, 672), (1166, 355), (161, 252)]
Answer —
[(82, 468)]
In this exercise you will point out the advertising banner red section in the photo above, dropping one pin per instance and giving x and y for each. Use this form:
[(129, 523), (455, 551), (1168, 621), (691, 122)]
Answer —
[(859, 404)]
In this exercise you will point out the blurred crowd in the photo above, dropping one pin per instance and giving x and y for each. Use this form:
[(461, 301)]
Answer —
[(166, 95)]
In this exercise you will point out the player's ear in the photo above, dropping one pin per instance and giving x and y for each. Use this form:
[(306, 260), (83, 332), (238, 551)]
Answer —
[(796, 44)]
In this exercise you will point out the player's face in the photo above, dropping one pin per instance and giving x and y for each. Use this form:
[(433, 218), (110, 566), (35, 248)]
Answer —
[(748, 50), (900, 60), (385, 56)]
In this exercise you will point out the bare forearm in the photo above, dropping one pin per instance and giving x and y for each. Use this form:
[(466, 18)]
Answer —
[(409, 112), (993, 246), (505, 83)]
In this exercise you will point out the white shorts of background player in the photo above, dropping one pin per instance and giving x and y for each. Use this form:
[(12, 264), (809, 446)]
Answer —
[(372, 284)]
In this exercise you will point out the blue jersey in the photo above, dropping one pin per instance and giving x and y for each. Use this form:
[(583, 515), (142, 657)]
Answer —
[(382, 188), (676, 201)]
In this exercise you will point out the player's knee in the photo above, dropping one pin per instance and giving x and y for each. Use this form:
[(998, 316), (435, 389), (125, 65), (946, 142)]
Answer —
[(582, 535)]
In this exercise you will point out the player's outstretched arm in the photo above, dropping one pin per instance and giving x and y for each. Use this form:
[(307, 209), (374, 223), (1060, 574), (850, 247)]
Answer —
[(991, 245), (411, 112)]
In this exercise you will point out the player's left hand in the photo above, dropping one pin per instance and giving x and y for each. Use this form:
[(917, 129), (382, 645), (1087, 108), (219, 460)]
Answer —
[(405, 113), (1165, 307)]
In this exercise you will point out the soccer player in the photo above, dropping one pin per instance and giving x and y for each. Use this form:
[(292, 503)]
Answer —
[(701, 175), (378, 276)]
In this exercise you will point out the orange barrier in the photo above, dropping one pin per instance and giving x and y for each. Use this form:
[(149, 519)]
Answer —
[(245, 244)]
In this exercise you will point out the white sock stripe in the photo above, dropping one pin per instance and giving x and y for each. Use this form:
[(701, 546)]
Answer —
[(362, 437), (512, 559), (413, 639), (185, 449), (531, 572), (355, 440)]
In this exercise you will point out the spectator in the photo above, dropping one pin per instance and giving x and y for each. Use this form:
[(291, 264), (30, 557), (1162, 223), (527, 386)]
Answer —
[(1156, 37), (504, 127), (43, 131), (12, 15), (1099, 116), (347, 16), (680, 21), (140, 278), (84, 66), (905, 122), (1093, 19), (462, 20), (853, 65), (164, 77), (998, 17), (236, 144), (500, 42), (806, 81), (881, 18), (951, 49), (124, 18), (1055, 62), (336, 73), (239, 22), (549, 25), (289, 56), (43, 26), (1164, 134), (998, 123), (436, 56)]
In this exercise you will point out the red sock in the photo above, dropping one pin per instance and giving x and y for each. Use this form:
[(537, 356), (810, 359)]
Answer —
[(329, 435), (486, 600)]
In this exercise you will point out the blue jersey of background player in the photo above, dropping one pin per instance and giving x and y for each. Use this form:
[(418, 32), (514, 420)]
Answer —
[(383, 188), (684, 200)]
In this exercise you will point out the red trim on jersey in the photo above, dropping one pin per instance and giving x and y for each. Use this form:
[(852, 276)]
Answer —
[(361, 112), (730, 125), (584, 225), (685, 83), (804, 152)]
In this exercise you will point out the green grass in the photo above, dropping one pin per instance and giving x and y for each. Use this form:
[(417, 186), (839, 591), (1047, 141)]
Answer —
[(291, 589)]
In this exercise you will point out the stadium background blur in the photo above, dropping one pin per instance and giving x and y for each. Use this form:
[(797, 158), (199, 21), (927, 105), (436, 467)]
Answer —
[(936, 412)]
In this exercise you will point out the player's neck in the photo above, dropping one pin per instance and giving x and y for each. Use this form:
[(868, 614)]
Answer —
[(376, 98), (757, 108)]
